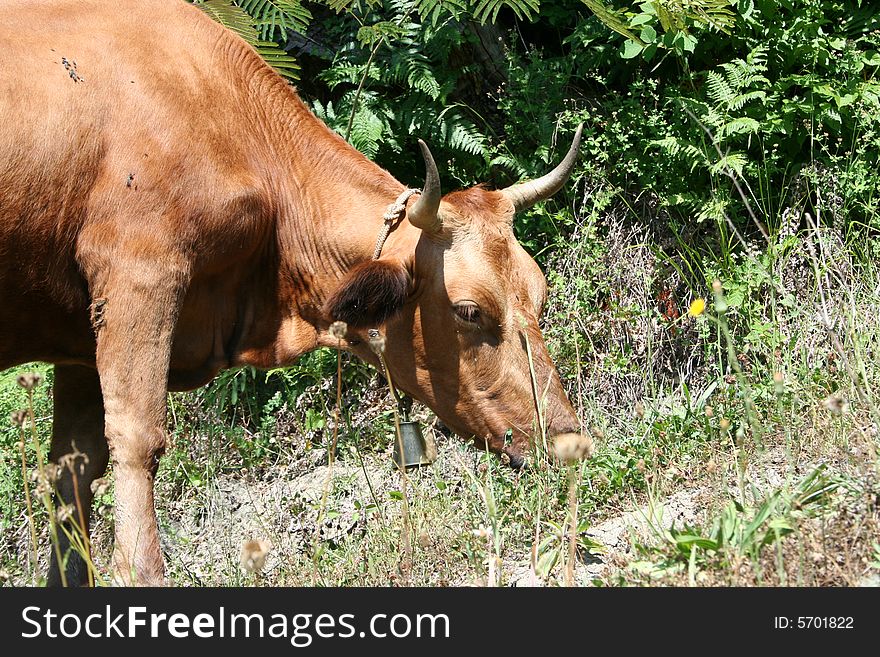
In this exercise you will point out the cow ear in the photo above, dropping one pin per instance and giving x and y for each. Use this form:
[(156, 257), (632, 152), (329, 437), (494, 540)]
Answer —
[(370, 294)]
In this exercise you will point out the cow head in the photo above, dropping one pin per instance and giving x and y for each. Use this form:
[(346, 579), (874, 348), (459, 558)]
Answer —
[(458, 301)]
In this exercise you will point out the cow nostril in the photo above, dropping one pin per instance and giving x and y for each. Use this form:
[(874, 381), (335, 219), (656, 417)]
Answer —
[(514, 459)]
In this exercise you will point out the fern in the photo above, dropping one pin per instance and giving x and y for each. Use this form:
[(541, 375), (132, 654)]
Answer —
[(487, 10), (368, 35), (512, 164), (718, 88), (741, 74), (680, 148), (741, 100), (231, 17), (340, 6), (461, 135), (413, 68), (739, 126), (326, 113), (434, 10), (348, 73), (274, 15), (727, 90), (735, 162), (717, 208), (236, 19), (420, 76), (367, 131), (386, 50)]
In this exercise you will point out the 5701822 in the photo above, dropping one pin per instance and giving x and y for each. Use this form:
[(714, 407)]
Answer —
[(814, 622)]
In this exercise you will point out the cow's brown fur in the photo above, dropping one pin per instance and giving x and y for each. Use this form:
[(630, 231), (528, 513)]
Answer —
[(175, 209)]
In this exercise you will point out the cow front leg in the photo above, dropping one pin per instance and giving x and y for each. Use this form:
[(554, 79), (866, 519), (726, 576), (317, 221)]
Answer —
[(80, 449), (135, 335)]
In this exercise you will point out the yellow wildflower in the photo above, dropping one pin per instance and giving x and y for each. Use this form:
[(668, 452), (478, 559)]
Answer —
[(697, 307)]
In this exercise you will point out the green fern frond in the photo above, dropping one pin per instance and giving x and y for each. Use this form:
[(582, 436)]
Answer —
[(366, 131), (348, 73), (413, 69), (463, 136), (741, 100), (421, 77), (232, 17), (327, 113), (735, 73), (680, 148), (467, 140), (740, 126), (433, 10), (271, 16), (279, 59), (340, 6), (718, 88), (741, 74), (370, 34), (510, 163), (715, 209), (758, 57), (713, 118), (487, 10), (727, 89), (236, 19), (734, 162)]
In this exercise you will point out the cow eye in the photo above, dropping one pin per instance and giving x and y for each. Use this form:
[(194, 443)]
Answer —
[(467, 311)]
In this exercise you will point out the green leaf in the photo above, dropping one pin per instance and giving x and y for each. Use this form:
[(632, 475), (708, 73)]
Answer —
[(547, 561), (686, 541), (689, 42), (630, 49), (611, 18)]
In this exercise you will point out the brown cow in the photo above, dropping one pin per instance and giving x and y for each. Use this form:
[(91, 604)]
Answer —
[(169, 208)]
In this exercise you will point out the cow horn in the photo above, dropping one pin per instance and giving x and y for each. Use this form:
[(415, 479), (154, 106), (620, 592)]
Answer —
[(525, 194), (425, 212)]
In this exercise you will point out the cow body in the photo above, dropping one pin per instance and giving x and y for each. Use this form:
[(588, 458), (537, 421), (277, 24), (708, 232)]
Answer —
[(169, 208), (161, 150)]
